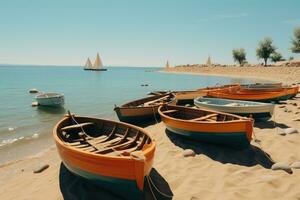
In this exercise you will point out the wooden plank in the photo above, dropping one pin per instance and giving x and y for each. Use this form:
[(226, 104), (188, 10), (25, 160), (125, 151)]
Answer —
[(169, 111), (76, 126), (204, 117)]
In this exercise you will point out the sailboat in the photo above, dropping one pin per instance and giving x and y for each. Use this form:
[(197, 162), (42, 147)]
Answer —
[(97, 66)]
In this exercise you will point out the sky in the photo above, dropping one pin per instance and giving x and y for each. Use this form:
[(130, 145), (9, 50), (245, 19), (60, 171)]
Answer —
[(142, 33)]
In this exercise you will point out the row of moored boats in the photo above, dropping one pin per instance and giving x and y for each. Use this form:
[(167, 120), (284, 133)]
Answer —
[(119, 155)]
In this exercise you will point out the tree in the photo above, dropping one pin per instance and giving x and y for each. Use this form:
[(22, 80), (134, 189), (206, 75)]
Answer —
[(239, 55), (296, 41), (265, 49), (276, 56)]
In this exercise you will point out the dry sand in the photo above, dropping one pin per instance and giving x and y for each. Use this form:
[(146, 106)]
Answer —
[(286, 75), (214, 173)]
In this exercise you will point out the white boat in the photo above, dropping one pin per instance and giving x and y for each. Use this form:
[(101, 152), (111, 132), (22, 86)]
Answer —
[(256, 110), (97, 66), (50, 99)]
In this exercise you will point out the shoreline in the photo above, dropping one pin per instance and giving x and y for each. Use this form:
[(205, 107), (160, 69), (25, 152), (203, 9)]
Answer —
[(220, 75)]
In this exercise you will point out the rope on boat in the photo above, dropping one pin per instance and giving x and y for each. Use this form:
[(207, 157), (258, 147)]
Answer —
[(74, 120), (154, 113), (150, 183)]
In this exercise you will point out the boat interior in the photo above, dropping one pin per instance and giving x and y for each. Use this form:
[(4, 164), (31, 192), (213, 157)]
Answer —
[(101, 137), (195, 115)]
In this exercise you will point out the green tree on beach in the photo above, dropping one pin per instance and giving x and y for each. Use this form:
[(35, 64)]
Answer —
[(296, 41), (265, 49), (276, 56), (239, 55)]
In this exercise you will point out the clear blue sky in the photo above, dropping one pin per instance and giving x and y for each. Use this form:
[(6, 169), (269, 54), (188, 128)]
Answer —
[(141, 33)]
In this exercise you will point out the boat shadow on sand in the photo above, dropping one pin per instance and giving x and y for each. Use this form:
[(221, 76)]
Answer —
[(74, 187), (250, 156), (269, 124)]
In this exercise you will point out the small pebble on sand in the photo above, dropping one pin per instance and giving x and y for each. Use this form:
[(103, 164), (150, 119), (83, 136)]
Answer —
[(188, 153), (41, 168), (282, 166), (290, 130), (282, 106), (281, 132), (295, 165)]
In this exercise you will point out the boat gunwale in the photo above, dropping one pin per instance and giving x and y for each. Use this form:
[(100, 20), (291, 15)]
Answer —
[(126, 105), (147, 152), (57, 95), (240, 118)]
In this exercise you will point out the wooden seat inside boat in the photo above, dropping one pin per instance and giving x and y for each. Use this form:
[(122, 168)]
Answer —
[(195, 115), (76, 126), (104, 138), (207, 117), (169, 111)]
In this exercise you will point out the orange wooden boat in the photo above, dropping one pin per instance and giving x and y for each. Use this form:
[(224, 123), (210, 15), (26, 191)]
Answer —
[(255, 95), (207, 125), (115, 155), (189, 96), (142, 110), (292, 90)]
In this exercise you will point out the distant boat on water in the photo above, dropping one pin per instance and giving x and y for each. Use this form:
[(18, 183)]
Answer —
[(97, 66), (50, 99)]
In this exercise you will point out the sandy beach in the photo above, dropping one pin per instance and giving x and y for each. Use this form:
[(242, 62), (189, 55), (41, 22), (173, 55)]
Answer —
[(286, 75), (214, 173)]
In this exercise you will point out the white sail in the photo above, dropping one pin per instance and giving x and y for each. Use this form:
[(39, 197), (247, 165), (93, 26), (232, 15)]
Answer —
[(88, 63), (98, 63)]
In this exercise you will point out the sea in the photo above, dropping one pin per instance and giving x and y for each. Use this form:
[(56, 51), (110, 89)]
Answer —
[(27, 130)]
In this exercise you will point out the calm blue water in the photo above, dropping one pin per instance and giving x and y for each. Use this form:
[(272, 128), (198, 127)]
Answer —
[(86, 93)]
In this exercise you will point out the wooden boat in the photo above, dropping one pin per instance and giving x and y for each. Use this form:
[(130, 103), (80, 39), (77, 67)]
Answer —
[(207, 125), (142, 110), (257, 110), (253, 95), (97, 66), (50, 99), (115, 155), (189, 96)]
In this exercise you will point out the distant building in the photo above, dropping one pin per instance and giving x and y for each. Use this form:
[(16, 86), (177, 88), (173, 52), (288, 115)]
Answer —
[(167, 65), (208, 62)]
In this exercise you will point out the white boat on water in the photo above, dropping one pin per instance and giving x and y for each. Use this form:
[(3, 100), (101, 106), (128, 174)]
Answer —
[(257, 110), (50, 99), (97, 66)]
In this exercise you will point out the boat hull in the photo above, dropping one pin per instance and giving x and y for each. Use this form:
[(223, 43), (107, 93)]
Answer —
[(125, 188), (232, 139), (102, 69), (123, 175), (236, 134), (137, 115), (139, 111), (51, 101)]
